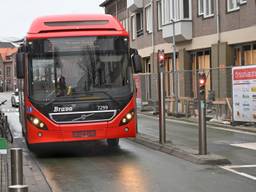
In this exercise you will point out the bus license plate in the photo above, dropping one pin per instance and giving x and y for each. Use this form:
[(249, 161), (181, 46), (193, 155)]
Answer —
[(85, 133)]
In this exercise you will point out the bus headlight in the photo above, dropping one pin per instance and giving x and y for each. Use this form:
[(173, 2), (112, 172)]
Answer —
[(37, 122), (127, 118)]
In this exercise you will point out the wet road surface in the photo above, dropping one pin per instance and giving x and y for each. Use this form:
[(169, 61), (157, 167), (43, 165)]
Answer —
[(131, 167)]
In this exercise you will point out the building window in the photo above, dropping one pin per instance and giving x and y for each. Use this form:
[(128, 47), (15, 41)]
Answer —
[(159, 15), (205, 8), (245, 54), (200, 7), (146, 63), (176, 10), (139, 23), (148, 12), (8, 71), (209, 8), (133, 27), (233, 5), (186, 12), (125, 24)]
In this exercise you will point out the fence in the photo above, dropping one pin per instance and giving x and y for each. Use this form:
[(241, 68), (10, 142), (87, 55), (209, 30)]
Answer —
[(218, 93)]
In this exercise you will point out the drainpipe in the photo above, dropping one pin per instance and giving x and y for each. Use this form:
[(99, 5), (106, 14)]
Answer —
[(174, 69), (218, 19), (218, 37), (153, 34), (153, 51)]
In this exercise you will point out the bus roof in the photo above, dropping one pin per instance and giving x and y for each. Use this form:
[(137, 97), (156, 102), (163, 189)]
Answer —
[(74, 23)]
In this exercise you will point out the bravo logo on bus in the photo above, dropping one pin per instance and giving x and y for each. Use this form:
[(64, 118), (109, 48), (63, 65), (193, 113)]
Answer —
[(57, 109), (244, 93)]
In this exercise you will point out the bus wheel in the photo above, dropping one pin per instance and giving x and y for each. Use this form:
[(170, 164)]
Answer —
[(113, 142)]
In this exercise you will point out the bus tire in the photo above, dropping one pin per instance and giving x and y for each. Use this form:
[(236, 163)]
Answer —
[(113, 142)]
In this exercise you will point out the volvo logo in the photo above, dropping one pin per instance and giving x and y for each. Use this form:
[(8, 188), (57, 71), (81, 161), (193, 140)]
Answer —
[(83, 117)]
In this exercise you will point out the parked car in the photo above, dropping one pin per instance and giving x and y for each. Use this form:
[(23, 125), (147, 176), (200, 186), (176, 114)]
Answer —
[(15, 99)]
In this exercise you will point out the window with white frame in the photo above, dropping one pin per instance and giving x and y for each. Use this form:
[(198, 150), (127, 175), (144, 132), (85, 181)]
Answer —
[(205, 8), (209, 8), (159, 15), (148, 12), (200, 7), (233, 5), (176, 10), (133, 27)]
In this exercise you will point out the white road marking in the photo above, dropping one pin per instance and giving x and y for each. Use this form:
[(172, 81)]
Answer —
[(246, 145), (208, 126), (232, 167)]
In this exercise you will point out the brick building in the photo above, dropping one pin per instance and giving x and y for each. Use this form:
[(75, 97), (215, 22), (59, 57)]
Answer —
[(7, 66)]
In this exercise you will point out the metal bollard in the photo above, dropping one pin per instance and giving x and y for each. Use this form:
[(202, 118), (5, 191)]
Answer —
[(16, 166), (18, 188)]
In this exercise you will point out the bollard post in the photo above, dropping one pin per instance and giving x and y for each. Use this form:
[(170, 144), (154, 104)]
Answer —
[(18, 188), (16, 166)]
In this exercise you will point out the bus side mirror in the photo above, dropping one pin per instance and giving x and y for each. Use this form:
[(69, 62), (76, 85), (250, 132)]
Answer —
[(136, 61), (20, 58)]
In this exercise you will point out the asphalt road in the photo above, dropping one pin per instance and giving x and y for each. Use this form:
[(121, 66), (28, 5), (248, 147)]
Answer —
[(94, 167), (132, 167)]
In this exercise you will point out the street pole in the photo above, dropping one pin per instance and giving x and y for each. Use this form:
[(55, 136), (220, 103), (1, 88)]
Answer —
[(4, 85), (161, 93), (175, 85), (202, 113)]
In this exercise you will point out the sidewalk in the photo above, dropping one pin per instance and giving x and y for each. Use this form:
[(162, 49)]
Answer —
[(243, 127), (33, 177)]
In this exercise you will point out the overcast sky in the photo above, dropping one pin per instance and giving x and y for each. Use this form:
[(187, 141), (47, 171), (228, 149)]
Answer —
[(17, 15)]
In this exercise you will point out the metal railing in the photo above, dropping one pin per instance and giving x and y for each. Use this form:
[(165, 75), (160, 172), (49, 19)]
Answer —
[(218, 93)]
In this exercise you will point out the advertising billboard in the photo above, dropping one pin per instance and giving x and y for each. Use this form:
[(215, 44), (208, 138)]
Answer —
[(244, 93)]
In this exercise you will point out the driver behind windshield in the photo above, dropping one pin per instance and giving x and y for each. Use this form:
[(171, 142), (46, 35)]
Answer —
[(61, 86)]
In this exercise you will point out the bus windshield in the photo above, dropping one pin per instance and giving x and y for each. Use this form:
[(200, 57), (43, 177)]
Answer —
[(79, 67)]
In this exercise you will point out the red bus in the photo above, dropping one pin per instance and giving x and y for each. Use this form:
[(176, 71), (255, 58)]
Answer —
[(75, 74)]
